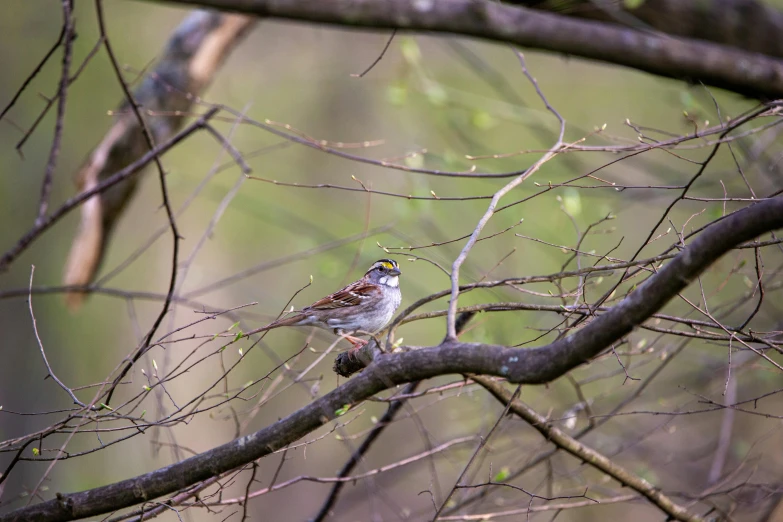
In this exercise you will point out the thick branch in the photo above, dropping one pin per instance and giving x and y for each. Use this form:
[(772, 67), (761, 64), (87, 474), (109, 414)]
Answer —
[(188, 63), (694, 60), (753, 25), (529, 366)]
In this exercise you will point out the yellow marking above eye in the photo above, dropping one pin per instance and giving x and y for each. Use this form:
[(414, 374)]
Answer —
[(388, 265)]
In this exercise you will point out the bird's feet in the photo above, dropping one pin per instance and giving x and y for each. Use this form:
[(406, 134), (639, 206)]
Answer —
[(356, 342)]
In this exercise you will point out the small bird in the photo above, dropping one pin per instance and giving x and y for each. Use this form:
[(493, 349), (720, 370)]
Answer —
[(364, 306)]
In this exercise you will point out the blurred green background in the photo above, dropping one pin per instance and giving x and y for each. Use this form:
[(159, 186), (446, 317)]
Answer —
[(452, 97)]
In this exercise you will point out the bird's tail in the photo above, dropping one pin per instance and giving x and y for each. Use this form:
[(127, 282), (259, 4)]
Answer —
[(283, 321)]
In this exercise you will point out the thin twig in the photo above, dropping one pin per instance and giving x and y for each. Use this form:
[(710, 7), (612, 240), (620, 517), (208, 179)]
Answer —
[(451, 333), (478, 449), (584, 453), (35, 72), (379, 58), (54, 151), (164, 193), (40, 345)]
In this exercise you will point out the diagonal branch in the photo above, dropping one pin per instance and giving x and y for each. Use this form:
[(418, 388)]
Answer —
[(522, 366), (118, 177), (585, 453)]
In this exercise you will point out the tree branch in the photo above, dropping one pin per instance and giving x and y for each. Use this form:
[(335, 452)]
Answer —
[(747, 73), (167, 93), (25, 241), (752, 25), (569, 444), (523, 366)]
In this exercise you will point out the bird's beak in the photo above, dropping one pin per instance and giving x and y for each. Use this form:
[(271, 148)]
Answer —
[(394, 271)]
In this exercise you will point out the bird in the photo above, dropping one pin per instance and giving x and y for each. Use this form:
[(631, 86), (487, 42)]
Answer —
[(364, 306)]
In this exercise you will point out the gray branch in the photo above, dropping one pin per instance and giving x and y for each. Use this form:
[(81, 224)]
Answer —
[(690, 59), (752, 25)]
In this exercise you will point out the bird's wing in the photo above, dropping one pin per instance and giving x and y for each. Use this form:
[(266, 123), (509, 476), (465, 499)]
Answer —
[(352, 295)]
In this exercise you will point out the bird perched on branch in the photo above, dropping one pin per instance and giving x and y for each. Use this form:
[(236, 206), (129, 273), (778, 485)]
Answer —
[(364, 306)]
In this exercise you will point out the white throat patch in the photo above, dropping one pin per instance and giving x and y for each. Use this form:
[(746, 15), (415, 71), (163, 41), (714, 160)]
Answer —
[(392, 281)]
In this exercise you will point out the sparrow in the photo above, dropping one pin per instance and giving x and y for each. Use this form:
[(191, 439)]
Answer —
[(365, 306)]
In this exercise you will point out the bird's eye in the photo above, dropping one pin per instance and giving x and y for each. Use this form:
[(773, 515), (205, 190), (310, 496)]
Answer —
[(382, 268)]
